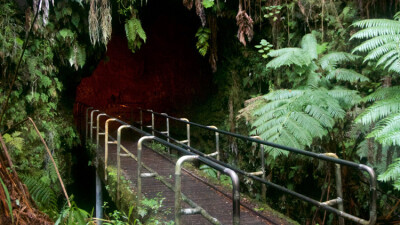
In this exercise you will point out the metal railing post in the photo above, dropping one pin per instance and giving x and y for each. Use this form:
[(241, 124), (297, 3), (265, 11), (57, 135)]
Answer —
[(98, 128), (339, 190), (262, 156), (139, 170), (152, 122), (187, 141), (87, 123), (119, 158), (178, 185), (235, 194), (91, 123), (217, 153), (372, 207), (167, 131), (106, 142)]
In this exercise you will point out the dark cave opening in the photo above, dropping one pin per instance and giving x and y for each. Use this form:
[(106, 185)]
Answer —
[(167, 74)]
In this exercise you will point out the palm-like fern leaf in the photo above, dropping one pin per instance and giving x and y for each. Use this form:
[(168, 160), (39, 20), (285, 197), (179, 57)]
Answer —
[(387, 131), (331, 60), (383, 43), (379, 110), (379, 51), (348, 97), (375, 42), (295, 117), (383, 93), (392, 174), (346, 75), (309, 44), (388, 58), (42, 193), (376, 27), (287, 57)]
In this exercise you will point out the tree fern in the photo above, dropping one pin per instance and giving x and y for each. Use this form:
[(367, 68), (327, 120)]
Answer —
[(297, 117), (383, 46)]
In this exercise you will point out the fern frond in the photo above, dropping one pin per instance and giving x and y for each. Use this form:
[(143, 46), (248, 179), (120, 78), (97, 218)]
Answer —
[(287, 57), (392, 174), (392, 138), (294, 118), (309, 124), (383, 93), (386, 126), (376, 27), (309, 44), (331, 60), (346, 75), (379, 110), (42, 193), (270, 107), (313, 80), (283, 94), (395, 66), (388, 58), (320, 114), (375, 42), (349, 97), (284, 51), (381, 50)]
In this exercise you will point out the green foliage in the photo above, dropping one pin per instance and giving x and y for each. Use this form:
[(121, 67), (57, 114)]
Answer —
[(392, 174), (273, 11), (42, 193), (134, 33), (384, 39), (296, 117), (8, 199), (264, 47), (66, 33), (119, 218), (208, 3), (203, 36), (223, 179), (73, 215)]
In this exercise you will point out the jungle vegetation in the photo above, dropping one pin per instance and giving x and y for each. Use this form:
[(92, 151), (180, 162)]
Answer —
[(316, 75)]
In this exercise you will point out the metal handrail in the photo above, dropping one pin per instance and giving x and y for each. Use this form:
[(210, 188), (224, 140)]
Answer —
[(227, 171), (321, 156)]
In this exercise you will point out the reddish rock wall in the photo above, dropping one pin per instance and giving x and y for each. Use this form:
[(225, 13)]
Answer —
[(166, 74)]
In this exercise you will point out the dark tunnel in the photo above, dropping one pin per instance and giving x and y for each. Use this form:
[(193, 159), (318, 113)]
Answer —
[(167, 74)]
